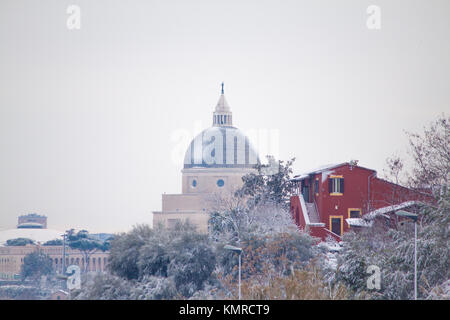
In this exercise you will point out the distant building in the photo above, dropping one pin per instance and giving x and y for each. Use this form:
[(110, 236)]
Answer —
[(11, 259), (215, 161), (31, 226), (332, 199), (34, 227), (33, 221)]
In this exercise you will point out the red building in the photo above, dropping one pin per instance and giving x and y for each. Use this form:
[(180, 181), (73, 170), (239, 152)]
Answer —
[(326, 197)]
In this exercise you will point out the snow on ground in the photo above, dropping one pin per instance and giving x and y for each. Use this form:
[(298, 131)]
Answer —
[(332, 250)]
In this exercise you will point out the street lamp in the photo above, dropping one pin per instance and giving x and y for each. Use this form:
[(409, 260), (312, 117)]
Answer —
[(412, 216), (238, 250)]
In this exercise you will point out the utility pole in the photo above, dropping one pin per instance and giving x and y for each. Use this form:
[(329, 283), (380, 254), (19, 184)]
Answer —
[(63, 271)]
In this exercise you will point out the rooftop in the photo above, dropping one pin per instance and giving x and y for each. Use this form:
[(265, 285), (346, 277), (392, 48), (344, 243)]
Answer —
[(385, 210), (324, 168)]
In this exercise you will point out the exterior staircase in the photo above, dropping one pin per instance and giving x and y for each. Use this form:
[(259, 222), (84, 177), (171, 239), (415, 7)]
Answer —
[(312, 212)]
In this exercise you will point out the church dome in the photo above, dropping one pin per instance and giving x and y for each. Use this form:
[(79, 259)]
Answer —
[(222, 145)]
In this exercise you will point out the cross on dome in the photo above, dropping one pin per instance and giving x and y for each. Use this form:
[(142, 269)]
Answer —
[(222, 116)]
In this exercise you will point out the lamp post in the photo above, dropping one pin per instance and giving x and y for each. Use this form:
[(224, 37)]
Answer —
[(412, 216), (238, 250)]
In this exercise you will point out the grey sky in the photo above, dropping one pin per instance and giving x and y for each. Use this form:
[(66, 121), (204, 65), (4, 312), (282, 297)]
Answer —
[(87, 116)]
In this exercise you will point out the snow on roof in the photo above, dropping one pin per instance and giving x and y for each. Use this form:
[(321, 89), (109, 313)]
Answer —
[(358, 222), (316, 224), (62, 291), (317, 170), (30, 224), (383, 211), (300, 177), (38, 235), (331, 245), (325, 168)]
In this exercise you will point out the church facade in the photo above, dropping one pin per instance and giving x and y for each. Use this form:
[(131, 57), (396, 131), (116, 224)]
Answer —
[(214, 163)]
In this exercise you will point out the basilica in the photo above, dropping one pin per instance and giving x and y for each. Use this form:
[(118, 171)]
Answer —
[(214, 163)]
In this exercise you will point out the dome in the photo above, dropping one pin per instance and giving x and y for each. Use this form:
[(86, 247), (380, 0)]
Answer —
[(221, 147)]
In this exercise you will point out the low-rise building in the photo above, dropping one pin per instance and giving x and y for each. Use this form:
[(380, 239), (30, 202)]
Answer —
[(329, 199)]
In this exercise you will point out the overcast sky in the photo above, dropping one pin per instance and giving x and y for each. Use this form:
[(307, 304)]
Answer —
[(88, 117)]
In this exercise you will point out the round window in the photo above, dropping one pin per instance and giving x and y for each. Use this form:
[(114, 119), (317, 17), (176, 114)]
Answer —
[(220, 183), (194, 183)]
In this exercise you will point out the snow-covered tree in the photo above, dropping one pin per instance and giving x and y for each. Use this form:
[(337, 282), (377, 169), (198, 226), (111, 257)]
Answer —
[(264, 258), (35, 265), (301, 284), (393, 251), (260, 207), (431, 155), (19, 242), (103, 286), (232, 219), (267, 185), (125, 251), (88, 245), (156, 263)]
